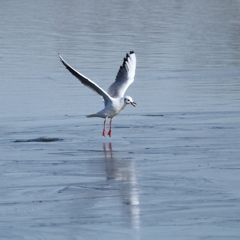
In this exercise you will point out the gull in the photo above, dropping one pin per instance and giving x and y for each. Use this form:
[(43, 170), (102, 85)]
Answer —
[(114, 99)]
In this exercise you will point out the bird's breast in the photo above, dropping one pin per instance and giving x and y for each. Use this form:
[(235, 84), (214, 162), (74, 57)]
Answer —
[(114, 108)]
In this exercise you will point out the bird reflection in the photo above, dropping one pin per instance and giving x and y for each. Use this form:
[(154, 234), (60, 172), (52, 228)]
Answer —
[(121, 175)]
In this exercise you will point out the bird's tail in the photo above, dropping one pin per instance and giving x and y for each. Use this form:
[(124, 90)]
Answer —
[(92, 115)]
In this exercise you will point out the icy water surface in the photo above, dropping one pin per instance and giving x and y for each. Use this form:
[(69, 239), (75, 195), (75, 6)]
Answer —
[(171, 169)]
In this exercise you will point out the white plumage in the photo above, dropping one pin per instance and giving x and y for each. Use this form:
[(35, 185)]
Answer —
[(114, 98)]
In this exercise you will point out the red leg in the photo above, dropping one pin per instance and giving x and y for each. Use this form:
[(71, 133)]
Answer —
[(104, 128), (110, 130)]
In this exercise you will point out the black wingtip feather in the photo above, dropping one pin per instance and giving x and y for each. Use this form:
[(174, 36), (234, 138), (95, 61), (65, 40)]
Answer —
[(126, 59)]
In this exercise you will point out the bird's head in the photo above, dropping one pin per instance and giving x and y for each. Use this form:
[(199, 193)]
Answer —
[(129, 100)]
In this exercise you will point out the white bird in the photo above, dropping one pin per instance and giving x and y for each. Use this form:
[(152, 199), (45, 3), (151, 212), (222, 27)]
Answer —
[(114, 99)]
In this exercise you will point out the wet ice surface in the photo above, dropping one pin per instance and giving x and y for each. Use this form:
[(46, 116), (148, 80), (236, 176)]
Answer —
[(176, 175), (171, 169)]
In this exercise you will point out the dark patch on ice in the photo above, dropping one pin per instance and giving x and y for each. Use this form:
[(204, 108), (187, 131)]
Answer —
[(216, 127), (154, 115), (41, 139)]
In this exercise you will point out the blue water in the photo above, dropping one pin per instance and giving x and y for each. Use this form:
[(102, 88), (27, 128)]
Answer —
[(171, 169)]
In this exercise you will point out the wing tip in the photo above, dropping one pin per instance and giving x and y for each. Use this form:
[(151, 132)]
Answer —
[(61, 59), (126, 59)]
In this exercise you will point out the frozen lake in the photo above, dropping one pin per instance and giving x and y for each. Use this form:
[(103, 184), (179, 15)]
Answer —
[(170, 171)]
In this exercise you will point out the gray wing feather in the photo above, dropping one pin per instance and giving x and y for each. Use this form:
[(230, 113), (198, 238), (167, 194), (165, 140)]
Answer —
[(124, 77), (86, 81)]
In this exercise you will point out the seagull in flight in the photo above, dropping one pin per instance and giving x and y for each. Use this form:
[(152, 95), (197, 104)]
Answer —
[(114, 99)]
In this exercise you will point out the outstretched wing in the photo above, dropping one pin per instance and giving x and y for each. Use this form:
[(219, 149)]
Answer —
[(124, 77), (86, 81)]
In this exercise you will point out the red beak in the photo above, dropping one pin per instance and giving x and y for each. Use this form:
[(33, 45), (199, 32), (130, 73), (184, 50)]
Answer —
[(134, 104)]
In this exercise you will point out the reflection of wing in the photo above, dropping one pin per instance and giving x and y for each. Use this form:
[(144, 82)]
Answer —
[(124, 77), (86, 81)]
